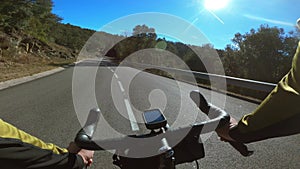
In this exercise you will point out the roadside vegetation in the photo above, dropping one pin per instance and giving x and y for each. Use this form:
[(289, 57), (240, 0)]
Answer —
[(262, 54), (33, 39)]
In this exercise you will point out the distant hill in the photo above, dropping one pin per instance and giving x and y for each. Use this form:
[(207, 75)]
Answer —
[(33, 39), (31, 27)]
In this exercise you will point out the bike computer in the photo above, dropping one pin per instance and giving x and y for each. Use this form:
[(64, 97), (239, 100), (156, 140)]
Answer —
[(154, 119)]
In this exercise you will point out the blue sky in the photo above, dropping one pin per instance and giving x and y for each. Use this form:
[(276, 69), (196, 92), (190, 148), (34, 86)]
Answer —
[(219, 26)]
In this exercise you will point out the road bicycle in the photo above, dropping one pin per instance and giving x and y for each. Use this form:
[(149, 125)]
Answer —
[(163, 151)]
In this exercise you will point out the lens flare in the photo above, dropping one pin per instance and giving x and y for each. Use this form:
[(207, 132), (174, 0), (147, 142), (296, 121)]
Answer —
[(213, 5)]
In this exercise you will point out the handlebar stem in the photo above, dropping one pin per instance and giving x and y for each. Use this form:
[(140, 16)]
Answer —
[(167, 160)]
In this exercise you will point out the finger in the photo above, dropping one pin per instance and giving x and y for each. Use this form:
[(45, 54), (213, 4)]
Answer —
[(90, 162), (223, 139)]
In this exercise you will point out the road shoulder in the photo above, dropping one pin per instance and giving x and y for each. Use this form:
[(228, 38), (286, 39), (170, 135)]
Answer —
[(14, 82)]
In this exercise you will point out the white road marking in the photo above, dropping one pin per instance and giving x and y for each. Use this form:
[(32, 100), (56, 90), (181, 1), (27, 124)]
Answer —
[(133, 123), (132, 119), (111, 70), (121, 86)]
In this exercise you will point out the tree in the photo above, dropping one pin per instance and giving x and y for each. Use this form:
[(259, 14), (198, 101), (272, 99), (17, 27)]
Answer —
[(15, 14), (32, 17), (263, 54), (142, 37), (144, 31)]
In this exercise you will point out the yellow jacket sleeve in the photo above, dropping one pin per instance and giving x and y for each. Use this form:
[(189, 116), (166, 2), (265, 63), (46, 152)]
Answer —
[(279, 114), (9, 131), (19, 150)]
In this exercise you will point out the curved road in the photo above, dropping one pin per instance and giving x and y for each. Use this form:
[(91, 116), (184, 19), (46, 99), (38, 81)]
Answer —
[(45, 108)]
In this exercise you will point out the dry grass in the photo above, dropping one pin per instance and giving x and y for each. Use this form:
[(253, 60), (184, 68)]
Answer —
[(26, 65)]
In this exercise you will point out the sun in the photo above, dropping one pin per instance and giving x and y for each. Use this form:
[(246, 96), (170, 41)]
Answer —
[(214, 5)]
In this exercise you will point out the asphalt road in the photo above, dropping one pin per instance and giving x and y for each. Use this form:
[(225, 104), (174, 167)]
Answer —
[(52, 110)]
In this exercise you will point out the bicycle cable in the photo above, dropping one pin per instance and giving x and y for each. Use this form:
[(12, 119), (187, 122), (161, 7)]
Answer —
[(197, 164)]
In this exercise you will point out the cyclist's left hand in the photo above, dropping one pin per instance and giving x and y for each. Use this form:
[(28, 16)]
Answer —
[(87, 155)]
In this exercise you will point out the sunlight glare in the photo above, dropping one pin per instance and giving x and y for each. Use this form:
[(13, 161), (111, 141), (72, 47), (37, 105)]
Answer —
[(213, 5)]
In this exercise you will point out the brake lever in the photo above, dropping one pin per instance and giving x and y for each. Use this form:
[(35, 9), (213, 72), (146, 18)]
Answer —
[(204, 106), (242, 148)]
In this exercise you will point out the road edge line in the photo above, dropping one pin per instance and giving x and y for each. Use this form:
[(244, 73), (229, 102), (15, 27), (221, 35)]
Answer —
[(25, 79)]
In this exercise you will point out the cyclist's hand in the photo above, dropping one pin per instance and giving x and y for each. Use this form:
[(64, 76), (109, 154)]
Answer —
[(223, 132), (87, 155)]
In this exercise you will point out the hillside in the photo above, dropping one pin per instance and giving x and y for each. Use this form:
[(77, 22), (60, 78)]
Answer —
[(33, 39)]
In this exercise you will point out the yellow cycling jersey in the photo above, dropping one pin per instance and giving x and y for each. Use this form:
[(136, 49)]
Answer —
[(279, 114), (19, 150), (9, 131)]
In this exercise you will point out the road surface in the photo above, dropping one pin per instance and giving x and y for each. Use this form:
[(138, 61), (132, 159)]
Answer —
[(47, 109)]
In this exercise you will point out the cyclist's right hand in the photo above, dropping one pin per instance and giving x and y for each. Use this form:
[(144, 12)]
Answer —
[(223, 132)]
